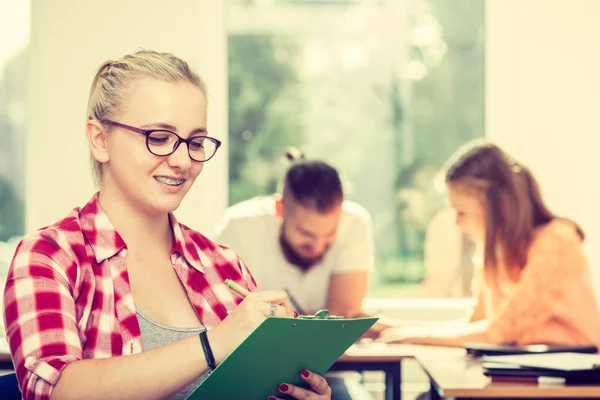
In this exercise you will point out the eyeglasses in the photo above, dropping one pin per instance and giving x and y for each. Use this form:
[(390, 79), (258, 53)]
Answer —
[(161, 142)]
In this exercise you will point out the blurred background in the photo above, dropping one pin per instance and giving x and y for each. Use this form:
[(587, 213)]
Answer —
[(385, 90)]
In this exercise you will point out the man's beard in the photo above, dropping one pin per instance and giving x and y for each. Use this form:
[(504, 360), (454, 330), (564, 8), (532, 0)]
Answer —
[(292, 256)]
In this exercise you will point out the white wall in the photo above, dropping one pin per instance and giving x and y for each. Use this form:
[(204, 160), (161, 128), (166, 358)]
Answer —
[(543, 100), (69, 41)]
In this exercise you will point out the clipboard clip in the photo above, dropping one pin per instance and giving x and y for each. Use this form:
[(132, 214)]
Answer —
[(322, 314)]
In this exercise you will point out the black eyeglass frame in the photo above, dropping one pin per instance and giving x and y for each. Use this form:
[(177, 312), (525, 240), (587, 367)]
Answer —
[(147, 132)]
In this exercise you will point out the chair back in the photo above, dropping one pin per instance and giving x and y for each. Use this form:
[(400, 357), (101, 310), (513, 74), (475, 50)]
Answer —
[(9, 387)]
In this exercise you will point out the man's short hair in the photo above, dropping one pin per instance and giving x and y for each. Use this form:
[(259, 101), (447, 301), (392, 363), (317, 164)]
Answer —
[(314, 184)]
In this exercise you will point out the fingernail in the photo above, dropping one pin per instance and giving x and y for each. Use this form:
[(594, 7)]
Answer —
[(272, 398), (305, 373), (295, 314), (284, 388)]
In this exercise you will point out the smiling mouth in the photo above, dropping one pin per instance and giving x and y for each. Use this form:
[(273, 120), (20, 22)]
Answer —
[(169, 181)]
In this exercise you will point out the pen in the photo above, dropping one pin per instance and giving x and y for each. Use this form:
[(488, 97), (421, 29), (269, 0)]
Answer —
[(243, 292), (294, 302), (236, 288)]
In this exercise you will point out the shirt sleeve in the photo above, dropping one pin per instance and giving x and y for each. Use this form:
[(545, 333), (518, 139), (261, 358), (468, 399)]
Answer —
[(39, 313), (356, 250), (555, 261)]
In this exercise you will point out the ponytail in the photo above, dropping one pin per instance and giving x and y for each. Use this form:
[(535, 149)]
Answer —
[(311, 183), (294, 155)]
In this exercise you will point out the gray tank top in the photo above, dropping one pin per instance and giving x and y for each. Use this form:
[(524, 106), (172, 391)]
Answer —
[(155, 335)]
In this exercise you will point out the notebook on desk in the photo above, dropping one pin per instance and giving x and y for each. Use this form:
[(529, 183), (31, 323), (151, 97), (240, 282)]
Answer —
[(567, 362), (510, 373), (484, 349), (572, 368)]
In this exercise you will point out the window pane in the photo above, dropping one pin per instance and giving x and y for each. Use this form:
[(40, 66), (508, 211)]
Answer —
[(14, 31), (385, 91)]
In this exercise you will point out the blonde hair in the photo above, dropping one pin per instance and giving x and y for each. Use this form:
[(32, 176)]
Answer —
[(114, 79)]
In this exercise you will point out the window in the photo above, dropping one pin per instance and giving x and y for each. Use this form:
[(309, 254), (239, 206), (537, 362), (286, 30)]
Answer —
[(384, 90), (14, 30)]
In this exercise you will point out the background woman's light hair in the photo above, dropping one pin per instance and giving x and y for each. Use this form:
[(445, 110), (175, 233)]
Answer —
[(439, 181), (114, 79)]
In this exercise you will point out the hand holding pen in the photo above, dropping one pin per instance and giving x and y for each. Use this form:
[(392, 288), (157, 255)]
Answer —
[(273, 307), (246, 317)]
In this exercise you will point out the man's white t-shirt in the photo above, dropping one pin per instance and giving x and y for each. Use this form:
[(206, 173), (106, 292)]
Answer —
[(251, 228)]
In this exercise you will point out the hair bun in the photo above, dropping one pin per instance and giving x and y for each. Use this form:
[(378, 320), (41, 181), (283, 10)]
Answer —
[(293, 154)]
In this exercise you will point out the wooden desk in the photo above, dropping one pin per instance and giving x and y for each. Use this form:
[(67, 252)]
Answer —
[(377, 357), (452, 374), (388, 358), (462, 377)]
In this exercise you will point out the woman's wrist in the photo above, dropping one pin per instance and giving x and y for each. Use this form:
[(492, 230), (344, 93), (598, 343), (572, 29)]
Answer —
[(218, 346), (208, 353)]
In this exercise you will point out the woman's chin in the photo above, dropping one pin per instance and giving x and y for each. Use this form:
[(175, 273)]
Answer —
[(165, 204)]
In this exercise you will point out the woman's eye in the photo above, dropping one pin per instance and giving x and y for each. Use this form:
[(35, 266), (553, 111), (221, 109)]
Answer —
[(196, 144), (158, 141)]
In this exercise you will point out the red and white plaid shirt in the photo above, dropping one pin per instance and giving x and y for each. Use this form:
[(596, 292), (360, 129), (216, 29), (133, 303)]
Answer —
[(68, 298)]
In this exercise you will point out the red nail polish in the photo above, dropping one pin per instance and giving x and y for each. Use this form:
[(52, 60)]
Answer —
[(305, 373), (272, 398), (284, 388), (295, 314)]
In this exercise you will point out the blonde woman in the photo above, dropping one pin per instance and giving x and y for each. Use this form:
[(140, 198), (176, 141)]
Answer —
[(118, 300)]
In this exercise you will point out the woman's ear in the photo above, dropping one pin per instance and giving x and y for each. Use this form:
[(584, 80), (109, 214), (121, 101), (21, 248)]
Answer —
[(97, 140)]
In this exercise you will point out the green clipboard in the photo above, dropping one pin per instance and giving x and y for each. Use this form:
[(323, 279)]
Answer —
[(276, 352)]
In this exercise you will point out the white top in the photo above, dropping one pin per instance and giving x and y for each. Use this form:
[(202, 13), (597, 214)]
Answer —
[(251, 228)]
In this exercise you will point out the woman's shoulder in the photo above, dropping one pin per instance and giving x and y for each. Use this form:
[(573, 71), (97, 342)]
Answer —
[(62, 233), (56, 246), (558, 232)]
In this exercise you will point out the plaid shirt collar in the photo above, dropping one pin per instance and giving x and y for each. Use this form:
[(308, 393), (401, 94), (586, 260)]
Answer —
[(105, 241)]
